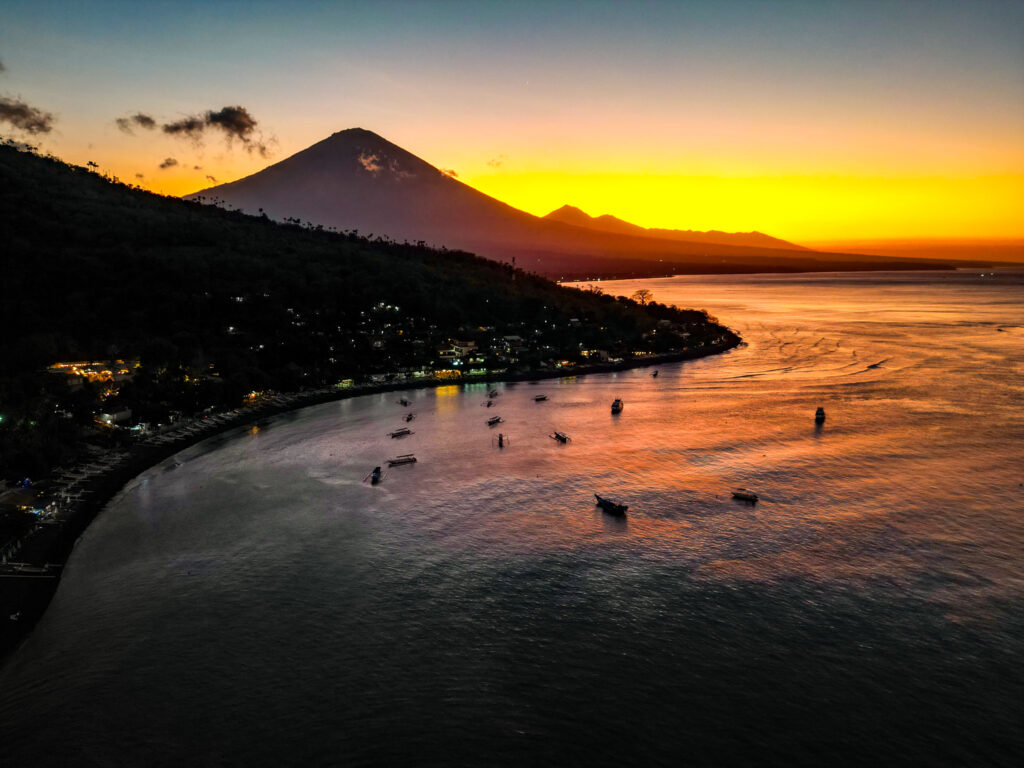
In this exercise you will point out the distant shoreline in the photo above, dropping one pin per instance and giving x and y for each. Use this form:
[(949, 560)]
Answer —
[(28, 595)]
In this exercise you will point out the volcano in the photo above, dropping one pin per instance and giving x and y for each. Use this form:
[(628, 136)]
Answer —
[(357, 180)]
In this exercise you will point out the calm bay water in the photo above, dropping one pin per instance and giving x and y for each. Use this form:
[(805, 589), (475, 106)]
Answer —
[(254, 602)]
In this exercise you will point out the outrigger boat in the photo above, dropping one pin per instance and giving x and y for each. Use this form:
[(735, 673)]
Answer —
[(409, 417), (494, 420), (493, 393), (610, 506), (617, 405), (819, 415), (405, 458), (401, 432), (402, 401), (540, 398), (489, 403), (744, 495), (375, 476), (560, 436), (654, 375)]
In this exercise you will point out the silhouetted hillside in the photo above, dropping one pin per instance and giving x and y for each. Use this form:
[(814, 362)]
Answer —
[(214, 304)]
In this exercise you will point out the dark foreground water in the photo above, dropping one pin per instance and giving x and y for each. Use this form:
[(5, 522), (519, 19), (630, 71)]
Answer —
[(253, 602)]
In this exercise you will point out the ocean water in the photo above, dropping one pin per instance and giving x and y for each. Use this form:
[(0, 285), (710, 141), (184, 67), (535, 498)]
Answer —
[(255, 602)]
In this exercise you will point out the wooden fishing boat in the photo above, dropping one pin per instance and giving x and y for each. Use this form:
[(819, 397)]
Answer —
[(610, 506), (744, 495), (617, 405), (540, 398), (560, 436), (819, 415), (375, 476), (494, 420), (401, 432), (405, 458)]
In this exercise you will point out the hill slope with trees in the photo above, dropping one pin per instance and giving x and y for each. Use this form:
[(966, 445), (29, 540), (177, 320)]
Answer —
[(207, 305)]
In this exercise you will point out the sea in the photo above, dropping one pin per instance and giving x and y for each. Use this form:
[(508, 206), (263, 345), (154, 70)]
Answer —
[(255, 601)]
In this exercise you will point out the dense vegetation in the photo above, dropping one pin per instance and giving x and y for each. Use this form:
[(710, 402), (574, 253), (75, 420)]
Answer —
[(213, 304)]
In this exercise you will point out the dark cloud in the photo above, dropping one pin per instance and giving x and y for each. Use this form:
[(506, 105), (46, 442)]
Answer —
[(169, 162), (21, 115), (138, 120), (233, 122), (236, 122), (211, 178), (192, 127)]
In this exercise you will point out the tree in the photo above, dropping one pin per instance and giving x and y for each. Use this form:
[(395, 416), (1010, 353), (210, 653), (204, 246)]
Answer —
[(642, 297)]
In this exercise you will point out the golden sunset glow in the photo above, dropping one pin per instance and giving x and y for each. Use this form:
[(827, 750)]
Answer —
[(806, 122), (802, 207)]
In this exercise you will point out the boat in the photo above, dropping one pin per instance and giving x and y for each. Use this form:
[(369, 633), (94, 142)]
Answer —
[(494, 420), (560, 436), (617, 405), (540, 398), (400, 432), (489, 403), (409, 417), (402, 401), (501, 440), (744, 495), (819, 415), (654, 375), (610, 506), (375, 476), (405, 458), (493, 393)]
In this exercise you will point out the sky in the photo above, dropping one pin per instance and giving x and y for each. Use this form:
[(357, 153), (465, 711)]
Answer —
[(811, 121)]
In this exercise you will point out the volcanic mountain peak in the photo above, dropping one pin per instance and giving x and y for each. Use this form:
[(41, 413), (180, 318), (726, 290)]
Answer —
[(364, 152), (357, 180)]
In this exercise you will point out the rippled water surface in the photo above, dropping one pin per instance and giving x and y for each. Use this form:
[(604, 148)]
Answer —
[(253, 601)]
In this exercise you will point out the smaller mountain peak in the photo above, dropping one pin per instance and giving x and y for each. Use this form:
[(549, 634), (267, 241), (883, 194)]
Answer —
[(569, 209), (570, 214)]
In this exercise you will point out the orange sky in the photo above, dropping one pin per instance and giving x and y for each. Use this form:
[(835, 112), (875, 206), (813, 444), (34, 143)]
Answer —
[(808, 121)]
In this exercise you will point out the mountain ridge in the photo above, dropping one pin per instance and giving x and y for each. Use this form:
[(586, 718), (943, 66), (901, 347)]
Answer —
[(356, 180), (570, 214)]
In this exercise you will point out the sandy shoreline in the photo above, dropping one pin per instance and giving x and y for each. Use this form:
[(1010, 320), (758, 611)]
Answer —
[(26, 592)]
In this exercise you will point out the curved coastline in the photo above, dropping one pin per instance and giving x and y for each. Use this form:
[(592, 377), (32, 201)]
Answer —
[(27, 593)]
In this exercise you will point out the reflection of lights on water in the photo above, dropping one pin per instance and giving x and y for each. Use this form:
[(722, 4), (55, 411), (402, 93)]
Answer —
[(447, 397)]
